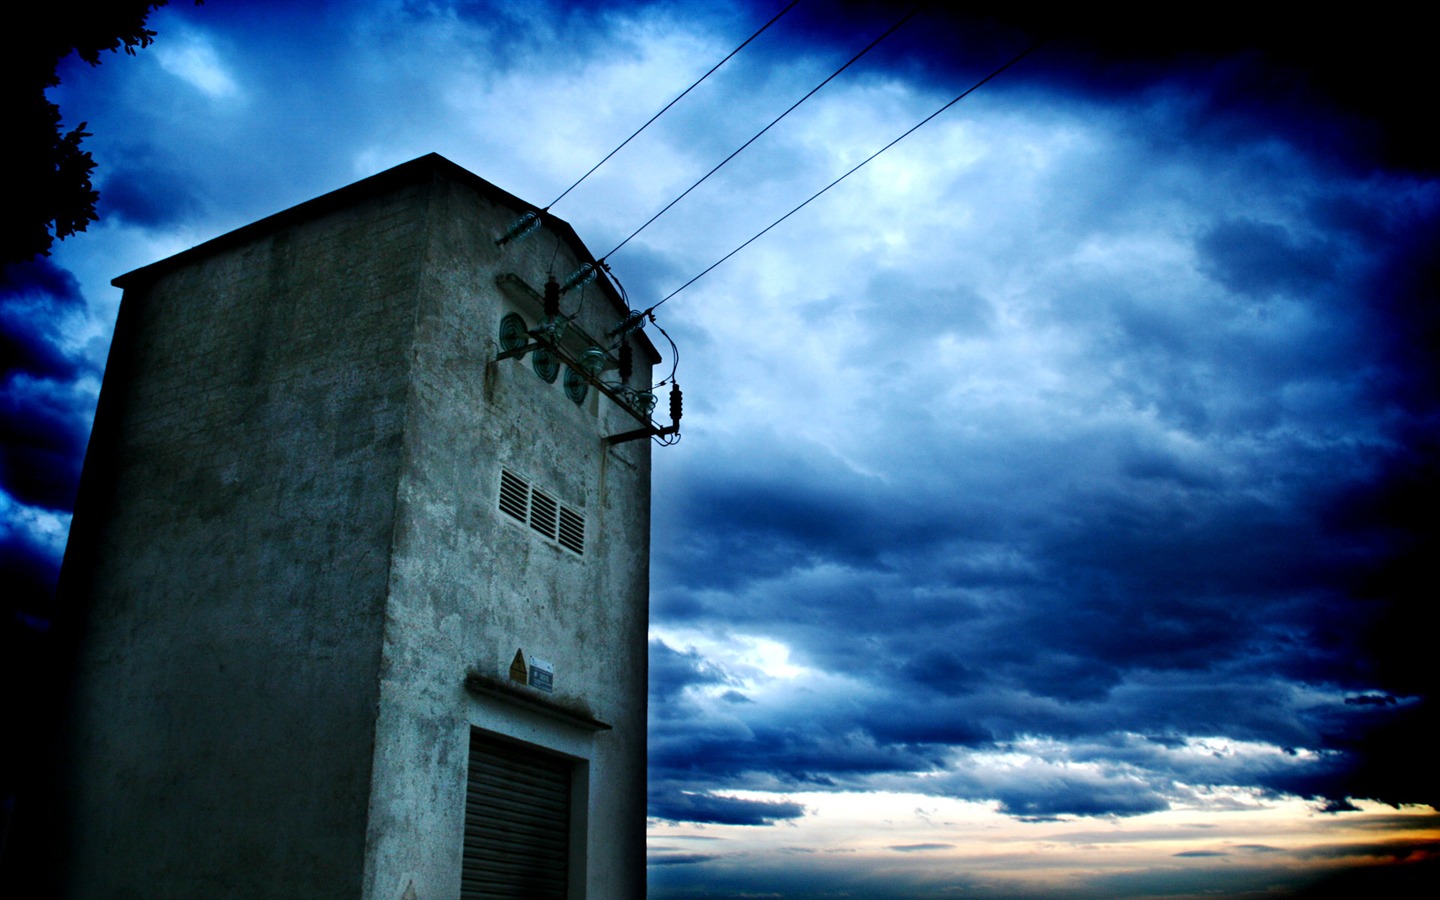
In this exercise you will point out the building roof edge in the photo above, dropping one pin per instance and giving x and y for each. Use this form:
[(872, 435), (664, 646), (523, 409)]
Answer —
[(414, 171)]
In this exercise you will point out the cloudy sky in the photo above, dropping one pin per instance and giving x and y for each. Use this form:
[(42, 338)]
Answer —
[(1057, 497)]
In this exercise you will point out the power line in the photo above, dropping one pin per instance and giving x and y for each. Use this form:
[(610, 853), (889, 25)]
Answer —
[(967, 92), (671, 103), (772, 124)]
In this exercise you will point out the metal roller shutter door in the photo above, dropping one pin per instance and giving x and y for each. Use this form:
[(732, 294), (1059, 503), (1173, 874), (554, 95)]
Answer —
[(517, 822)]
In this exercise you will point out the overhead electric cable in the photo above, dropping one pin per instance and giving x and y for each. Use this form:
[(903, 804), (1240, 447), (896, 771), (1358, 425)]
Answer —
[(967, 92), (772, 124), (672, 103)]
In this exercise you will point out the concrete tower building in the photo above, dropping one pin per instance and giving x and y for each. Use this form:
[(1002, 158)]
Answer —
[(364, 598)]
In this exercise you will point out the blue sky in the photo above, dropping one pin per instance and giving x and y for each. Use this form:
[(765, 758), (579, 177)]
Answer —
[(1055, 507)]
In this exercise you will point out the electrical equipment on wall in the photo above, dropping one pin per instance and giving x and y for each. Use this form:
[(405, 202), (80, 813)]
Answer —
[(605, 364)]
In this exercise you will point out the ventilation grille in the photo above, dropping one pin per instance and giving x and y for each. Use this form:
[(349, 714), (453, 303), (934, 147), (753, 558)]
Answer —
[(542, 513), (513, 495), (572, 530), (523, 502)]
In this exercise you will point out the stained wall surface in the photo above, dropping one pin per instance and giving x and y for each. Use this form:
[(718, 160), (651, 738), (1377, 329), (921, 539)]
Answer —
[(471, 586), (289, 556)]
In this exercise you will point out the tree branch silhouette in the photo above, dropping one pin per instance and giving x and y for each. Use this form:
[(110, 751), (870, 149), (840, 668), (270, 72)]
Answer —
[(48, 188)]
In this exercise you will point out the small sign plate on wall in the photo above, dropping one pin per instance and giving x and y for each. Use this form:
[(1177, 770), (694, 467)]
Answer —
[(542, 675)]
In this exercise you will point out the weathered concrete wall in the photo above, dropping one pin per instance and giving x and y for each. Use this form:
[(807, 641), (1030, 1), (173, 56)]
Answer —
[(289, 545), (470, 586), (233, 541)]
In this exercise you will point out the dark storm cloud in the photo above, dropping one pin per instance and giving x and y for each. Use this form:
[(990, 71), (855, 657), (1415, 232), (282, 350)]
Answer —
[(795, 506), (144, 188), (794, 749), (672, 672), (1416, 340), (35, 298), (842, 741), (967, 664), (687, 744), (42, 443), (1384, 754), (1199, 854), (1151, 591), (1074, 797), (1257, 70), (778, 520), (686, 806), (796, 525), (677, 859), (1260, 259), (44, 415), (1140, 584), (1394, 516), (44, 424), (927, 689)]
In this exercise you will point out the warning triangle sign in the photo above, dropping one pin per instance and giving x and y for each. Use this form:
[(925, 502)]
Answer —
[(518, 670)]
